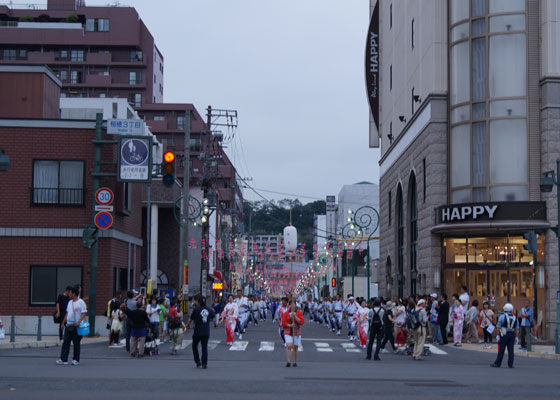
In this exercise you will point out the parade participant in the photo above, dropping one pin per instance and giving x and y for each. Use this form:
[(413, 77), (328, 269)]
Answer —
[(201, 315), (338, 308), (457, 314), (388, 327), (76, 312), (420, 332), (243, 319), (362, 323), (349, 311), (526, 315), (217, 308), (375, 329), (292, 321), (283, 308), (254, 307), (229, 318), (508, 328), (262, 309), (487, 323), (443, 317)]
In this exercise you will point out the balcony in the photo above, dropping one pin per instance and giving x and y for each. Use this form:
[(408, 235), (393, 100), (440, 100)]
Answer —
[(37, 57), (98, 58), (98, 80), (57, 196)]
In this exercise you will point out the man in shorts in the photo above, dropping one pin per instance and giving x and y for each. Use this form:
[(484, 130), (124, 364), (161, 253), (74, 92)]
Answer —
[(292, 322)]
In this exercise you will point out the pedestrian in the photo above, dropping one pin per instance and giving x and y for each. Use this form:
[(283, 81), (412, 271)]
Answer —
[(388, 327), (419, 333), (292, 322), (362, 322), (458, 319), (130, 303), (442, 309), (400, 320), (162, 320), (243, 319), (464, 298), (201, 317), (138, 319), (153, 312), (280, 311), (508, 327), (76, 312), (338, 308), (434, 322), (526, 315), (487, 323), (229, 318), (61, 304), (217, 308), (375, 330), (116, 324), (351, 309), (471, 320), (176, 327)]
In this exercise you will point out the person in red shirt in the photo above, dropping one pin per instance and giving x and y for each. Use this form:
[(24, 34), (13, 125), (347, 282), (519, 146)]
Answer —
[(292, 322)]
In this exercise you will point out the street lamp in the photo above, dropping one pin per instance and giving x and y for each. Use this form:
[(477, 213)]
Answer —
[(548, 180), (347, 232)]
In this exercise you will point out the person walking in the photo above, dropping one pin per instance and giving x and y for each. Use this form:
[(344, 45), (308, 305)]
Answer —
[(338, 308), (116, 324), (76, 312), (388, 327), (361, 317), (292, 322), (138, 319), (487, 323), (201, 316), (442, 309), (508, 328), (434, 322), (130, 303), (458, 318), (471, 319), (375, 330), (176, 327), (153, 312), (349, 311), (229, 318), (526, 315), (420, 332), (280, 311), (217, 308), (61, 304)]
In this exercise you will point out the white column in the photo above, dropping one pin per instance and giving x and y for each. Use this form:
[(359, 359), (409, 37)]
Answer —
[(154, 242)]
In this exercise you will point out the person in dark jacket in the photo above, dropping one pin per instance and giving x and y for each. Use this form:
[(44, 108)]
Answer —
[(443, 316), (137, 320), (201, 316)]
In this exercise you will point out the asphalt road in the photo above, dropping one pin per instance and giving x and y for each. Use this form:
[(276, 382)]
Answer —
[(329, 367)]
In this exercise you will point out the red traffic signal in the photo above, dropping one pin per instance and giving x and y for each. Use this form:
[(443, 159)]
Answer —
[(168, 168), (333, 282), (169, 156)]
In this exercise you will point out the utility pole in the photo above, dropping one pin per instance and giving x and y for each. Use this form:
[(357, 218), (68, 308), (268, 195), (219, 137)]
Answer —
[(185, 198)]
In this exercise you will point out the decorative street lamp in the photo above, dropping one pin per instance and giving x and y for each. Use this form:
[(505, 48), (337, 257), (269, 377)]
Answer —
[(548, 180), (349, 232)]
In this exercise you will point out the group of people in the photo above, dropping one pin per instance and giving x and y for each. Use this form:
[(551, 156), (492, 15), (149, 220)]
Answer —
[(239, 312)]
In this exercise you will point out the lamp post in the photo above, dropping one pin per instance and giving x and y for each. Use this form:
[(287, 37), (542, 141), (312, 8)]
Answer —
[(548, 180), (348, 232)]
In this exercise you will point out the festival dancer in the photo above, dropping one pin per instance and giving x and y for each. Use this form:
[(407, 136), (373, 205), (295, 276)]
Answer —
[(362, 321), (229, 317), (351, 309), (283, 308), (243, 318), (292, 322), (338, 308)]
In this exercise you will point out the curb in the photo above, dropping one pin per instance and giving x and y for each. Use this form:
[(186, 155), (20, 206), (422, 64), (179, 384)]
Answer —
[(520, 353), (43, 344)]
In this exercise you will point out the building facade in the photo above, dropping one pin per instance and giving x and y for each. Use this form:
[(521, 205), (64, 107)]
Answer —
[(469, 104), (94, 51)]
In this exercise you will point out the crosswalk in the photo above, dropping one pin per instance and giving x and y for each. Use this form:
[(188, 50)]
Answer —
[(319, 346)]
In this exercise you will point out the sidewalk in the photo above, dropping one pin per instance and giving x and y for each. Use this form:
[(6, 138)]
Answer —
[(539, 351), (25, 342)]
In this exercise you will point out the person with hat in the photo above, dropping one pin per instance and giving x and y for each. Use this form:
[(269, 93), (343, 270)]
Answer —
[(508, 328), (388, 326), (419, 333), (351, 309)]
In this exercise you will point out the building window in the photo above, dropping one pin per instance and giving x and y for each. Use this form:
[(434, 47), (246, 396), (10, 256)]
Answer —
[(97, 25), (424, 179), (23, 54), (412, 31), (47, 282), (75, 77), (135, 55), (9, 54), (77, 55), (413, 213), (159, 118), (135, 77), (390, 214), (195, 144), (391, 16), (135, 99), (63, 76), (58, 182), (167, 140), (390, 77), (127, 196), (181, 122), (400, 242), (122, 278)]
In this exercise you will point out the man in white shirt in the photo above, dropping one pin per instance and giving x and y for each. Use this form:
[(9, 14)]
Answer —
[(464, 298), (351, 309), (76, 311), (243, 306), (338, 308)]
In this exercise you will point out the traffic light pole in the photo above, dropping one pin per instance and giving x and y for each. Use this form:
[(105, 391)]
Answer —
[(184, 225)]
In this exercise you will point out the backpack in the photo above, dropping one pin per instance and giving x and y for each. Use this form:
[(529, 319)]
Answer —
[(413, 319), (376, 320), (174, 323)]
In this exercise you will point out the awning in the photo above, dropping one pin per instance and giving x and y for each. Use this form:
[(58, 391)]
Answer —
[(490, 226)]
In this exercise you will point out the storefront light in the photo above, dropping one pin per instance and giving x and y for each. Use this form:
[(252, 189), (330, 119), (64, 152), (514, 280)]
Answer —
[(540, 277)]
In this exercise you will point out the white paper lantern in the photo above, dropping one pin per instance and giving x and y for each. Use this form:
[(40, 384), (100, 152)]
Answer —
[(290, 238)]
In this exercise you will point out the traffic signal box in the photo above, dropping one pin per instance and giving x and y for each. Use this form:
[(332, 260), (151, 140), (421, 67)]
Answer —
[(531, 245), (168, 169)]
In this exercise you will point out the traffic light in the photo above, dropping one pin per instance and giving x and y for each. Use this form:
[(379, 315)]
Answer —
[(531, 245), (88, 236), (333, 282), (168, 169)]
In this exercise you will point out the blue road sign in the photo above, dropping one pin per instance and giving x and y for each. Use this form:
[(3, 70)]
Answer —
[(103, 220)]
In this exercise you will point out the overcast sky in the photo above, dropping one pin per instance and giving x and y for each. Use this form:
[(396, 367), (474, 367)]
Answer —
[(294, 71)]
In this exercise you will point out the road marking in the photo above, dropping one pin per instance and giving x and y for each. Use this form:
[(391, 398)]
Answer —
[(350, 348), (266, 346), (239, 345), (212, 344), (185, 344), (323, 347), (328, 340), (435, 350)]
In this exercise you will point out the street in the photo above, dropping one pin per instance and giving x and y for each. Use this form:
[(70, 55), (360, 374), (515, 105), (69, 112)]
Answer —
[(329, 367)]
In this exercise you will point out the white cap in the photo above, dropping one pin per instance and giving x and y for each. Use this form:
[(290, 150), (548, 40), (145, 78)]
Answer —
[(421, 301), (508, 307), (434, 295), (351, 298)]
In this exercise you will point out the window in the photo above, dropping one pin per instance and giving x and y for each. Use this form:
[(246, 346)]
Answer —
[(135, 99), (9, 54), (58, 182), (181, 122), (390, 77), (400, 242), (77, 55), (23, 53), (122, 279), (63, 54), (508, 65), (391, 16), (135, 78), (413, 213), (159, 118), (127, 196), (195, 144), (97, 25), (412, 33), (75, 77), (424, 179), (390, 207), (47, 282), (459, 70), (63, 76), (90, 25), (168, 140), (460, 159), (135, 55)]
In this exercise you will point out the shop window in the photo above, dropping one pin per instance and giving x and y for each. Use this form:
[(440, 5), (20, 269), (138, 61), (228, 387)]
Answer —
[(58, 182), (47, 282)]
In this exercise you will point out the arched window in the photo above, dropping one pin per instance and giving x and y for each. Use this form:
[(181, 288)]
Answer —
[(413, 225), (400, 241)]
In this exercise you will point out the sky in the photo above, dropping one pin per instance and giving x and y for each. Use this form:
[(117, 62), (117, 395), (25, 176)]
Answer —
[(293, 70)]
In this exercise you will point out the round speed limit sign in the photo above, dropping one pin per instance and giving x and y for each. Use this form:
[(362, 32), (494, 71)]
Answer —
[(104, 196)]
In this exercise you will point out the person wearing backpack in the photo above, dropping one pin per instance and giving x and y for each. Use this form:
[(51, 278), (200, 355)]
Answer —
[(388, 327), (508, 328), (375, 329), (419, 325)]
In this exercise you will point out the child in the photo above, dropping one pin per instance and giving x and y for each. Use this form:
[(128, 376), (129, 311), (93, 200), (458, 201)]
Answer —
[(116, 324)]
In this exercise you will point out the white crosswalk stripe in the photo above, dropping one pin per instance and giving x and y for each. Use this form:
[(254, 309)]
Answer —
[(436, 350), (186, 343), (323, 347), (350, 348), (239, 345), (212, 344), (266, 346)]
